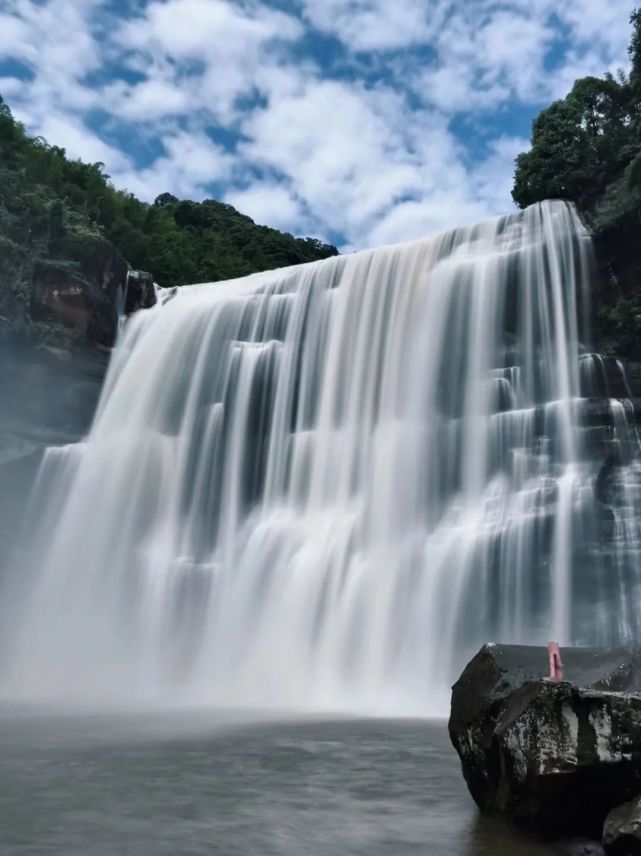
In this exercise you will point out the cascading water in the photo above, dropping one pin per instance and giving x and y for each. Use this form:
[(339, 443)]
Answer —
[(324, 486)]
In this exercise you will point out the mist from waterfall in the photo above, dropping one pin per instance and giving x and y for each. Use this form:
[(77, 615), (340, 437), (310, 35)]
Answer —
[(323, 487)]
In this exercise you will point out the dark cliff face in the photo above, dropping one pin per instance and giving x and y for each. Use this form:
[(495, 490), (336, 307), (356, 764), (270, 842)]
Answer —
[(48, 397), (73, 305), (58, 322), (617, 293)]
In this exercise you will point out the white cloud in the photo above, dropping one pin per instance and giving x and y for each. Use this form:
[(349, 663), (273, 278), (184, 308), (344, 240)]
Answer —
[(493, 176), (333, 143), (55, 40), (15, 41), (360, 142), (10, 87), (191, 162), (150, 99), (270, 203), (480, 54), (201, 54), (192, 29), (453, 88), (488, 55), (602, 23), (365, 163), (364, 25), (455, 197)]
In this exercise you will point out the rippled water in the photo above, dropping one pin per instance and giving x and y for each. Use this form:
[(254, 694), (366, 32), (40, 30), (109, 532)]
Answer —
[(187, 784)]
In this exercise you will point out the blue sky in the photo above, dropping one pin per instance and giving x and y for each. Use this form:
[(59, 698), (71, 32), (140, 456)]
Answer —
[(359, 121)]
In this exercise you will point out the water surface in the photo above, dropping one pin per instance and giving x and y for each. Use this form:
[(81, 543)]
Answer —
[(196, 785)]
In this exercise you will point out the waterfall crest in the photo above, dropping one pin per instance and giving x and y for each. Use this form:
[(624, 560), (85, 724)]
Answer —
[(324, 486)]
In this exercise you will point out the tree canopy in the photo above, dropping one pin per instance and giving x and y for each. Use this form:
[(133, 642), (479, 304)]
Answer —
[(587, 147)]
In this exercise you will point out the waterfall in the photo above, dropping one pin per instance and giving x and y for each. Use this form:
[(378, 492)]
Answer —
[(324, 486)]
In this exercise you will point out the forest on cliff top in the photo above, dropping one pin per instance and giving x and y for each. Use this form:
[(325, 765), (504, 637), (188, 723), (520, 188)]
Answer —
[(586, 148), (55, 212)]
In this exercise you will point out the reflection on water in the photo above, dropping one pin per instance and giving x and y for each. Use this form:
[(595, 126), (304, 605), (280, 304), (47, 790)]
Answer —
[(186, 784)]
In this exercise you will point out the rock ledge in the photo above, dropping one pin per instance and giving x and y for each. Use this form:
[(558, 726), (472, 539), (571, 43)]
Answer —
[(557, 757)]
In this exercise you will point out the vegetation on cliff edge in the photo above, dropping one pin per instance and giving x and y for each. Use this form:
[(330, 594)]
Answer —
[(587, 148), (56, 213)]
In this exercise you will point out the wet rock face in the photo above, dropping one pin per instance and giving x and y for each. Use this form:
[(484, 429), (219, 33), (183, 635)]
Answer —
[(554, 756), (141, 293), (47, 397), (615, 293), (81, 298), (622, 830), (77, 304), (52, 366)]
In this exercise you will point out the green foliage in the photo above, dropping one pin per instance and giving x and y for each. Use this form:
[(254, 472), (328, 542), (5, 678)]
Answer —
[(57, 210), (635, 53), (587, 147), (580, 145), (621, 323)]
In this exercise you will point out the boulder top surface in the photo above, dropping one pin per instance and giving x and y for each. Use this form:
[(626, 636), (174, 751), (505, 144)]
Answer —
[(606, 669)]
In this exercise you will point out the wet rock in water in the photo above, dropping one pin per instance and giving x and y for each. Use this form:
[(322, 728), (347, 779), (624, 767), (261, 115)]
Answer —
[(582, 848), (141, 293), (556, 757), (622, 830)]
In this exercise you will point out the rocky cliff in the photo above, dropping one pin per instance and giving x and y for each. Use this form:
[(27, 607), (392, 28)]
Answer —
[(616, 293)]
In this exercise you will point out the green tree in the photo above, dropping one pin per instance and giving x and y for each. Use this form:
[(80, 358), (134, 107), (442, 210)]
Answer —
[(579, 145), (587, 148)]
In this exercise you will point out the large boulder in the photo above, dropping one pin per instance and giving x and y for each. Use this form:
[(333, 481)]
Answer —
[(622, 830), (557, 757)]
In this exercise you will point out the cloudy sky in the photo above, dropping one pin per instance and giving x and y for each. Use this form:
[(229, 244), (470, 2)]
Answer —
[(359, 121)]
